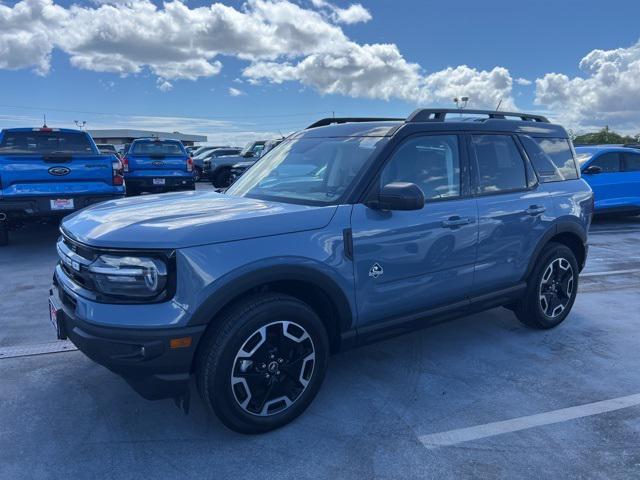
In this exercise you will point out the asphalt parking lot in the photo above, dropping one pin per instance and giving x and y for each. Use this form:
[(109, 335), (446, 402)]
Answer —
[(481, 396)]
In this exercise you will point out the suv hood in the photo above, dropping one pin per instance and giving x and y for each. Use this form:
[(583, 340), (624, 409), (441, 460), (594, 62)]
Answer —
[(183, 219)]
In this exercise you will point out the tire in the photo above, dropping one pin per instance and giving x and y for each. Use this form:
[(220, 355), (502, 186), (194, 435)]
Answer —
[(254, 377), (222, 178), (551, 288), (197, 174), (4, 233)]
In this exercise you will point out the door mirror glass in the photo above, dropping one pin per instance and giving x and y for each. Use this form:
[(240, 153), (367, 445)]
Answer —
[(398, 196), (592, 170)]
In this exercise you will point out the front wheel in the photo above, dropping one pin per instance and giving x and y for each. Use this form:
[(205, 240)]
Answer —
[(222, 179), (264, 364), (551, 288)]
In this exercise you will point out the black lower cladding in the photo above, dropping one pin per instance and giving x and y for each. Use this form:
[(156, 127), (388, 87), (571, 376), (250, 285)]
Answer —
[(20, 207), (170, 183), (142, 357)]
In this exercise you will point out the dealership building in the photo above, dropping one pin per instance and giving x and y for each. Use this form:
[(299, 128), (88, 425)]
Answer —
[(121, 137)]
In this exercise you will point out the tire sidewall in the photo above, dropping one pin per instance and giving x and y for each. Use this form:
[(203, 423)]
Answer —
[(218, 384)]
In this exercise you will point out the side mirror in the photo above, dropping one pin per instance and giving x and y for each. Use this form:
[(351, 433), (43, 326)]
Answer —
[(249, 154), (592, 170), (398, 196)]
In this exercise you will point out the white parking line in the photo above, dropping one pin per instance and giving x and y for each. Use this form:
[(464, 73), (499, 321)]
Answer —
[(611, 272), (37, 349), (453, 437)]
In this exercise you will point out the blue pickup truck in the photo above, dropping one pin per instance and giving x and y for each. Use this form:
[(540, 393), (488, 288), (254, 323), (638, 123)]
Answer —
[(49, 172), (157, 165)]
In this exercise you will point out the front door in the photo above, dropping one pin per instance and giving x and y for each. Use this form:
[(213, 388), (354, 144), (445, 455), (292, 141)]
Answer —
[(407, 262)]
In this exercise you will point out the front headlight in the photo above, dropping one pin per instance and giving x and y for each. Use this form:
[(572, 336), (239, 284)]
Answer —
[(129, 276)]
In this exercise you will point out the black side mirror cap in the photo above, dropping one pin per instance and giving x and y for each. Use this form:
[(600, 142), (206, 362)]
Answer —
[(398, 196), (592, 170)]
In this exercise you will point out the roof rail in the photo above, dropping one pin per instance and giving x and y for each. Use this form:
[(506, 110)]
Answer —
[(631, 145), (331, 120), (440, 114)]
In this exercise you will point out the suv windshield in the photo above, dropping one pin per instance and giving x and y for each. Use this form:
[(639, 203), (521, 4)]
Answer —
[(314, 171), (157, 148), (44, 142)]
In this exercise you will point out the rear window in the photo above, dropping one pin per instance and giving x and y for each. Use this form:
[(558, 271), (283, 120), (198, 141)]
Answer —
[(157, 148), (552, 158), (51, 143)]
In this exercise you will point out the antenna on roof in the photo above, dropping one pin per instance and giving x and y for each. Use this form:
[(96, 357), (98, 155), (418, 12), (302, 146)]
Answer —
[(44, 120), (499, 103)]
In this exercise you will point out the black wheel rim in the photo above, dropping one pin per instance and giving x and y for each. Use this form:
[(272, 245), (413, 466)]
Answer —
[(556, 287), (272, 368)]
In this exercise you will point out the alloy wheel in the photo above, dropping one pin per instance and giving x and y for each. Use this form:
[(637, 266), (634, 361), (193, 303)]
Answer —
[(273, 368), (556, 287)]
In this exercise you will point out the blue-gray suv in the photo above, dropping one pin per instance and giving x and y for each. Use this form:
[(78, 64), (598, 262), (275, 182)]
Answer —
[(347, 232)]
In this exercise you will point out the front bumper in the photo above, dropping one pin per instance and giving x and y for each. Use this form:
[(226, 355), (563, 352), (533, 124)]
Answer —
[(40, 206), (145, 358)]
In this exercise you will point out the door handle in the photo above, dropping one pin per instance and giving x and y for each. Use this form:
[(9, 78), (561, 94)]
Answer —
[(453, 222), (534, 210)]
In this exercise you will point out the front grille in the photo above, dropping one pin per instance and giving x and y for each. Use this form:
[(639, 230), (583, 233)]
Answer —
[(74, 261)]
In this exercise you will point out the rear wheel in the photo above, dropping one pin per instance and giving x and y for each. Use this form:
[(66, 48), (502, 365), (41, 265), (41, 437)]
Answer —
[(264, 364), (4, 233), (197, 174), (551, 288), (222, 178)]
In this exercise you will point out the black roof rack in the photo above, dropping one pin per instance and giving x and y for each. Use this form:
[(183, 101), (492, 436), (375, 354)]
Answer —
[(331, 120), (440, 114)]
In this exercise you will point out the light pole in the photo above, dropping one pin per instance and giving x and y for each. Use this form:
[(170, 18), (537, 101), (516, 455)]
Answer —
[(80, 124), (461, 103)]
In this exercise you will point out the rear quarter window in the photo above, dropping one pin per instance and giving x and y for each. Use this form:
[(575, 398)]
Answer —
[(552, 158)]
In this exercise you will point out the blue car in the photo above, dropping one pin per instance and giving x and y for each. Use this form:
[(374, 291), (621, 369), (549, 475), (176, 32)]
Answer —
[(155, 165), (350, 231), (46, 173), (613, 172)]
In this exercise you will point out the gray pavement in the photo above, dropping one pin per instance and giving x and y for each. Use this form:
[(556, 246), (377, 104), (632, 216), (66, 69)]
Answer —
[(379, 410)]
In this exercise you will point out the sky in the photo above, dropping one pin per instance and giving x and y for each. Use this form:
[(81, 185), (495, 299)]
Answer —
[(241, 70)]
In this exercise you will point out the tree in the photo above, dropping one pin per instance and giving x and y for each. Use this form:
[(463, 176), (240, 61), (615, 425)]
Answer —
[(604, 137)]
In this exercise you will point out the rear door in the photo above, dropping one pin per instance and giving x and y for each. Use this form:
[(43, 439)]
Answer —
[(157, 155), (407, 262), (631, 168), (514, 211), (49, 161)]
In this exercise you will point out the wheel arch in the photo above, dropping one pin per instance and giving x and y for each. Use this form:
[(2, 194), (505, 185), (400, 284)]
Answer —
[(305, 283), (567, 232)]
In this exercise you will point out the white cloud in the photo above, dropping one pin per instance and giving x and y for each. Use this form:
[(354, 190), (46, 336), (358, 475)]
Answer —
[(607, 93), (234, 92), (523, 82), (355, 13), (281, 40)]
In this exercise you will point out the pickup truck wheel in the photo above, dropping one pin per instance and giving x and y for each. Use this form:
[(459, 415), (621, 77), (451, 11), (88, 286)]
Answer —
[(222, 178), (551, 288), (264, 364), (4, 233), (197, 174)]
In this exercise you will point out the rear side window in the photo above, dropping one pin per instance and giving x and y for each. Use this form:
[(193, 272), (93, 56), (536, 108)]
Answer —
[(51, 143), (552, 158), (499, 162), (608, 162), (631, 162), (156, 148)]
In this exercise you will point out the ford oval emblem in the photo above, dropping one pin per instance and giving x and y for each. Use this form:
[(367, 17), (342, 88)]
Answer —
[(158, 164), (59, 171)]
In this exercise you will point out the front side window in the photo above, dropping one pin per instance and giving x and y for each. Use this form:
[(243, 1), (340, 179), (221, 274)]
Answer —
[(631, 162), (608, 162), (552, 158), (431, 162), (313, 171), (499, 162)]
